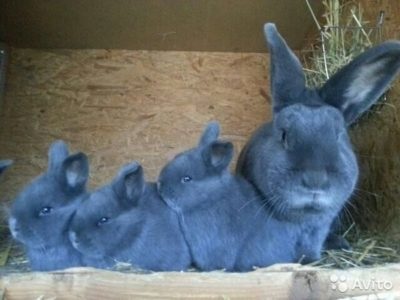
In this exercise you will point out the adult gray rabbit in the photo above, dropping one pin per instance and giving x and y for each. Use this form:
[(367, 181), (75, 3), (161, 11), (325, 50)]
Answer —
[(126, 221), (302, 161), (41, 213), (221, 215)]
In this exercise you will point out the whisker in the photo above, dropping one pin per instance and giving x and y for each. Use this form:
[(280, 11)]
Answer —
[(261, 207), (368, 192), (275, 208), (248, 202)]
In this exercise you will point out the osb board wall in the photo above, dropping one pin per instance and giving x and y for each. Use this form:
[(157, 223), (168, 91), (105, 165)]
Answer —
[(377, 141), (119, 106), (206, 25)]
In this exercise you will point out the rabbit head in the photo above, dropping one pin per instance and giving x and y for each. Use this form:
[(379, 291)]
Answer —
[(40, 214), (303, 160), (185, 178), (105, 219)]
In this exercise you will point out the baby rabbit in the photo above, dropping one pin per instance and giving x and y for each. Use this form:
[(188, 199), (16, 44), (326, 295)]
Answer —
[(221, 215), (41, 213), (5, 164), (303, 162), (126, 221)]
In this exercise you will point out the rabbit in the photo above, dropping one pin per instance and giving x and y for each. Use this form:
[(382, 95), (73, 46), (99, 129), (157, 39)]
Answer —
[(4, 165), (41, 213), (126, 221), (302, 162), (221, 215)]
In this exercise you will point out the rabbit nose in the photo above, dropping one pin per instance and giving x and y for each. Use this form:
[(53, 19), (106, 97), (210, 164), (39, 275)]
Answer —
[(315, 180)]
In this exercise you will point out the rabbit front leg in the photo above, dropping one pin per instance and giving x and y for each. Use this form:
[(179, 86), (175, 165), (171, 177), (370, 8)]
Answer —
[(310, 243)]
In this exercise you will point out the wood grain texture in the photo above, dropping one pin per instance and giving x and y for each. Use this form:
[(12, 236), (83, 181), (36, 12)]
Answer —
[(276, 282), (119, 106)]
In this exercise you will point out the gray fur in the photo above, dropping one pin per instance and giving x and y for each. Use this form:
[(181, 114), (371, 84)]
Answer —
[(221, 215), (41, 213), (303, 162), (140, 229)]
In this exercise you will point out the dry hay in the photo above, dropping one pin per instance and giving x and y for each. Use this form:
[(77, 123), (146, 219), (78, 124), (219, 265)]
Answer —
[(371, 216), (375, 205), (377, 141)]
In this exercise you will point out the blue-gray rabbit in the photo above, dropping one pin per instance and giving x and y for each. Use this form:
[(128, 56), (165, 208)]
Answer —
[(126, 221), (41, 213), (221, 215), (302, 161), (5, 164)]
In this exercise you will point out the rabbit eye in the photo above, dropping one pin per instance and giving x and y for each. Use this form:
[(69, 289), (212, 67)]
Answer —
[(102, 221), (45, 211), (186, 178)]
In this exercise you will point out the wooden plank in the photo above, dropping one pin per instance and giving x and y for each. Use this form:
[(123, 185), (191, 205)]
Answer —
[(276, 282)]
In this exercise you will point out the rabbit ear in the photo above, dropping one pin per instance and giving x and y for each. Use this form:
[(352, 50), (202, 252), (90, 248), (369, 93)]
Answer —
[(129, 184), (75, 171), (358, 85), (210, 133), (287, 76), (4, 164), (58, 152), (218, 155)]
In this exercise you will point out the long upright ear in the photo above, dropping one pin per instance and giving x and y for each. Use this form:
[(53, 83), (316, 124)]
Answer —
[(358, 85), (75, 172), (218, 155), (287, 76), (129, 184), (210, 133), (4, 164), (58, 152)]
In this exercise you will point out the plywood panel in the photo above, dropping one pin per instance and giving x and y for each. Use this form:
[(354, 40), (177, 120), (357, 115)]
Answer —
[(119, 106), (195, 25)]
